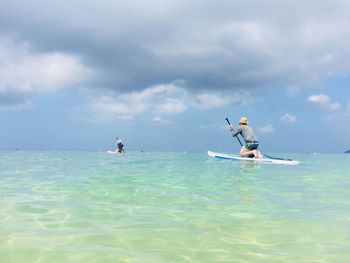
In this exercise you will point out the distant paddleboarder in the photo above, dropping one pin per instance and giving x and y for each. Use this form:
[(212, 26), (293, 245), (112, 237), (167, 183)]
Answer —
[(120, 146), (249, 149)]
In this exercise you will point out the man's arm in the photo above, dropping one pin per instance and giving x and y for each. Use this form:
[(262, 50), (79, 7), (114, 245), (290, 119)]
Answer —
[(233, 131)]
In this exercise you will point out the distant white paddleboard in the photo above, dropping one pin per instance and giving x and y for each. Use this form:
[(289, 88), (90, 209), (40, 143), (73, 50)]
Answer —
[(113, 152), (239, 158)]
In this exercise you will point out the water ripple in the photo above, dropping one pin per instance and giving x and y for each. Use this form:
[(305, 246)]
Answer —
[(171, 207)]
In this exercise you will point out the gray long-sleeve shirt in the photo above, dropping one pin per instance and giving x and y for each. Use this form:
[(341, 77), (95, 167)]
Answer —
[(246, 132)]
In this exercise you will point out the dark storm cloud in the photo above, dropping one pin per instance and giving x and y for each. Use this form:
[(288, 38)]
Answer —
[(204, 44)]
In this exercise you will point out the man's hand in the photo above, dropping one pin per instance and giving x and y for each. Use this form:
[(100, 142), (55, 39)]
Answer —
[(231, 128)]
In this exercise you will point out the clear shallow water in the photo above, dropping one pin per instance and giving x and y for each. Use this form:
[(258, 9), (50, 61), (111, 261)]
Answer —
[(172, 207)]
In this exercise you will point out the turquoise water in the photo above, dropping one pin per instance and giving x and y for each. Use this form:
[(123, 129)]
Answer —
[(172, 207)]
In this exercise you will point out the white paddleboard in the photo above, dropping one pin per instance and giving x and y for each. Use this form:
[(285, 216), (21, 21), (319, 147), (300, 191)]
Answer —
[(239, 158), (113, 152)]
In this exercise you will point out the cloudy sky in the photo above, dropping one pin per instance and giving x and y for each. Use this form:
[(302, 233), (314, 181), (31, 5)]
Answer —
[(164, 75)]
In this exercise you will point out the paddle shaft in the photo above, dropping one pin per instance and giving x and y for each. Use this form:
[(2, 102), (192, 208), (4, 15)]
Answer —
[(234, 136)]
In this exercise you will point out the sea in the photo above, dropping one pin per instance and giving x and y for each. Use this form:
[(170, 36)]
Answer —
[(95, 207)]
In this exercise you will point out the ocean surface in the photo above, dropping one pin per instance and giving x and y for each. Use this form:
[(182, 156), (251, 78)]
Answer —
[(172, 207)]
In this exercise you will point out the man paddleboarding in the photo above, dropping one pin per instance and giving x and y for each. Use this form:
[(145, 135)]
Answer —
[(120, 146), (249, 149)]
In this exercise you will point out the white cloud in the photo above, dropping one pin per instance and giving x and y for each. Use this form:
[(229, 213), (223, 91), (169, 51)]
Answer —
[(165, 99), (23, 73), (160, 99), (160, 120), (324, 103), (212, 100), (125, 106), (266, 129), (288, 118), (118, 106), (171, 106), (208, 101), (153, 92)]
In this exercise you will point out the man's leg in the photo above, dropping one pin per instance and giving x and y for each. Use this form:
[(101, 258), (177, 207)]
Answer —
[(246, 152)]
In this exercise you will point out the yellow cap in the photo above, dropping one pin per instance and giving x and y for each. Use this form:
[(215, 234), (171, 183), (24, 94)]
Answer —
[(243, 120)]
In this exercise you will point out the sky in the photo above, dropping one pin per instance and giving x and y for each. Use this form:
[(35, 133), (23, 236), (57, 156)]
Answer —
[(164, 75)]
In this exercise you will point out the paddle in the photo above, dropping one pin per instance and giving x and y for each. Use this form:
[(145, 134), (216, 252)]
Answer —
[(234, 136), (268, 156)]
